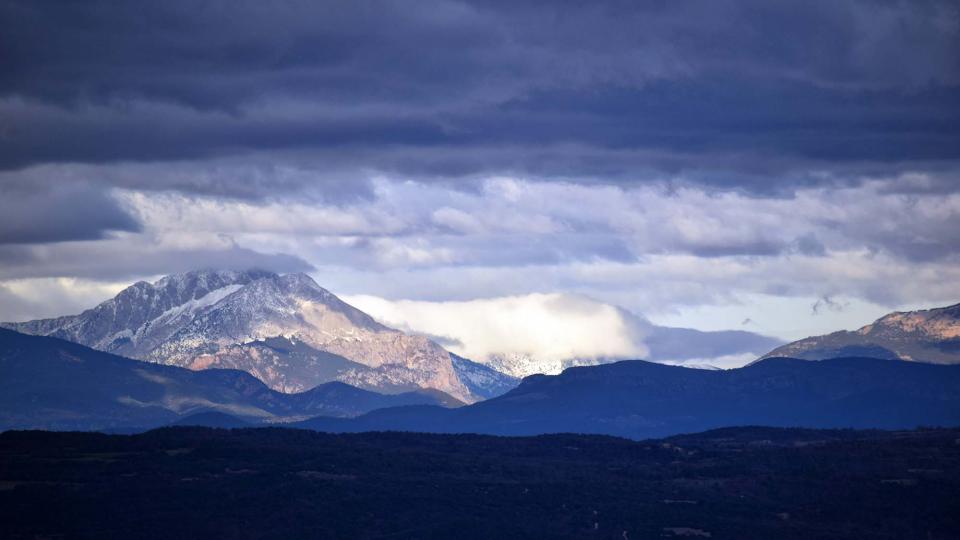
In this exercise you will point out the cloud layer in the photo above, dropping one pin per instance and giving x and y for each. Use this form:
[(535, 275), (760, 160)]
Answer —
[(655, 249), (549, 332), (604, 90), (700, 163)]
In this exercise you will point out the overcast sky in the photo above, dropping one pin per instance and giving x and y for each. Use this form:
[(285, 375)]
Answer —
[(784, 168)]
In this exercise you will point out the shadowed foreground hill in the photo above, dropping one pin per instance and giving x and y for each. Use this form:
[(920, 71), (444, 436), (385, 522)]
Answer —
[(55, 384), (282, 483), (638, 399)]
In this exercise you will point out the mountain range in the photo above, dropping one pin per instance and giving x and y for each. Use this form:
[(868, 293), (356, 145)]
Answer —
[(931, 335), (638, 399), (284, 329), (293, 335), (259, 348), (49, 383)]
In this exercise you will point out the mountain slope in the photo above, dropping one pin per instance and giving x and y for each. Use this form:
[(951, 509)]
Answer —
[(931, 335), (481, 380), (286, 330), (640, 399), (55, 384)]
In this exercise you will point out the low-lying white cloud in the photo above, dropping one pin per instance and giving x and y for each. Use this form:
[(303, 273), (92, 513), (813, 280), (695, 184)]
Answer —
[(547, 329), (546, 333)]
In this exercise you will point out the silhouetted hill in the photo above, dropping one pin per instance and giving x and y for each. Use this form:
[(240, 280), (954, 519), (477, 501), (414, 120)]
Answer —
[(639, 399)]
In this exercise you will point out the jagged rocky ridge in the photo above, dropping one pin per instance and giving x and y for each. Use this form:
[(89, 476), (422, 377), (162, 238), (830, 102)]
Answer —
[(49, 383), (931, 335), (284, 329)]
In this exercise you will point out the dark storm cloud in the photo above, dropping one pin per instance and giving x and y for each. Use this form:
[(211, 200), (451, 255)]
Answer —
[(736, 94), (127, 260), (59, 213), (220, 55)]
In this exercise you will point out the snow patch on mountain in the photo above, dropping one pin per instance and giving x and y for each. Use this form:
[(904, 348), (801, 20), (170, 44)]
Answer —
[(483, 380), (189, 308)]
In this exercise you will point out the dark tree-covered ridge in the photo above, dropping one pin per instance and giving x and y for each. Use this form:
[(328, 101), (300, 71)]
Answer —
[(283, 483)]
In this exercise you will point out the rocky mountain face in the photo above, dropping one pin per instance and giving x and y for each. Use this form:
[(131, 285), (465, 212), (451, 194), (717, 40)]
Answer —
[(637, 399), (48, 383), (931, 335), (284, 329)]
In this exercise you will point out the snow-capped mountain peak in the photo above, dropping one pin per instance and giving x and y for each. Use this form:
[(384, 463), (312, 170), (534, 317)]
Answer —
[(232, 319)]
